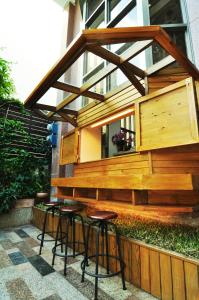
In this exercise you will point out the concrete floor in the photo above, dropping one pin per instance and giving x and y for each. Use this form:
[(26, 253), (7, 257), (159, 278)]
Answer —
[(25, 275)]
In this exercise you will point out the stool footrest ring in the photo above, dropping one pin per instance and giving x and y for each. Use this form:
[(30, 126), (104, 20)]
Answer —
[(68, 255), (84, 264), (39, 237)]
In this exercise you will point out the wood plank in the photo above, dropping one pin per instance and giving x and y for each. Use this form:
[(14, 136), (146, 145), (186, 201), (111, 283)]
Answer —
[(136, 266), (76, 90), (178, 279), (115, 59), (155, 274), (192, 281), (166, 277), (127, 259), (53, 108), (145, 269), (135, 181)]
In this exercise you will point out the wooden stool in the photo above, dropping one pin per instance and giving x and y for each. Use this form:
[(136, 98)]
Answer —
[(52, 207), (101, 220), (70, 213)]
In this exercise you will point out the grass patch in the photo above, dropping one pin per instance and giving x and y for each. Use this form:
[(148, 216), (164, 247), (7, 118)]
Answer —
[(180, 238)]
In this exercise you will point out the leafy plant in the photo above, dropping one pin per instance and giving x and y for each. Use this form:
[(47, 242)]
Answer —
[(22, 173), (6, 83)]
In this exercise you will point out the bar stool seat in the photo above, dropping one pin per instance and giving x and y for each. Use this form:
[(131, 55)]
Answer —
[(52, 204), (102, 215), (71, 209), (101, 221), (69, 213), (51, 207)]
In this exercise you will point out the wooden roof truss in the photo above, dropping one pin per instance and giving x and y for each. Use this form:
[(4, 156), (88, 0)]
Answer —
[(92, 40)]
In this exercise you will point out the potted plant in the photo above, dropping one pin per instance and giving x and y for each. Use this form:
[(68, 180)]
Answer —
[(122, 142)]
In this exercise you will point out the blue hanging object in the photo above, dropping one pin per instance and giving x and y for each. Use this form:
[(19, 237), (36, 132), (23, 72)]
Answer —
[(52, 137)]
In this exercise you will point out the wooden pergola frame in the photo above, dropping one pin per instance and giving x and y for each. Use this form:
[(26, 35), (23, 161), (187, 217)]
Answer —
[(92, 40)]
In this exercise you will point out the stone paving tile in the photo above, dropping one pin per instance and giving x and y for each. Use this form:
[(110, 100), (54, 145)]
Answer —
[(64, 289), (21, 233), (17, 258), (2, 235), (53, 297), (41, 265), (49, 284), (33, 243), (18, 290), (4, 260), (87, 287), (12, 236), (26, 249), (7, 244)]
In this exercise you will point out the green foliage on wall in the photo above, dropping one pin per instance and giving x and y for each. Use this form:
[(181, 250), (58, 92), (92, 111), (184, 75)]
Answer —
[(6, 83), (22, 173)]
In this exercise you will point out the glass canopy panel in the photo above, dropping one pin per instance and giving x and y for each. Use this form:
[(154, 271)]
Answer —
[(91, 62), (70, 76), (49, 98), (116, 79)]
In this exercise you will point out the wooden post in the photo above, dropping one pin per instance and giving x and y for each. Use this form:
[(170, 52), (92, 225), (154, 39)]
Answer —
[(139, 197)]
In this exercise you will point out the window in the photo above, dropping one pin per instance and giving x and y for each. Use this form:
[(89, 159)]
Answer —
[(169, 15), (118, 137), (108, 13), (109, 137)]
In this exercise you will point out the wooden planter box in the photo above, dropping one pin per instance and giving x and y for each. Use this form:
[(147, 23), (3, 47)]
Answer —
[(165, 274)]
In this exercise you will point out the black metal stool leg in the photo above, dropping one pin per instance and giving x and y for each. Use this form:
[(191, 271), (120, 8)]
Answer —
[(85, 261), (61, 237), (97, 261), (83, 231), (102, 243), (43, 231), (66, 245), (107, 247), (73, 234), (120, 257), (56, 239)]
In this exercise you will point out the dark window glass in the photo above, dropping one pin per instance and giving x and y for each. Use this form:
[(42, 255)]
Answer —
[(178, 38), (115, 7), (165, 12), (91, 6)]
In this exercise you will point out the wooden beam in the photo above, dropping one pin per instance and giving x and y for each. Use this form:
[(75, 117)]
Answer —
[(105, 36), (53, 109), (135, 49), (43, 115), (165, 41), (73, 89), (68, 119), (133, 79), (115, 59)]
